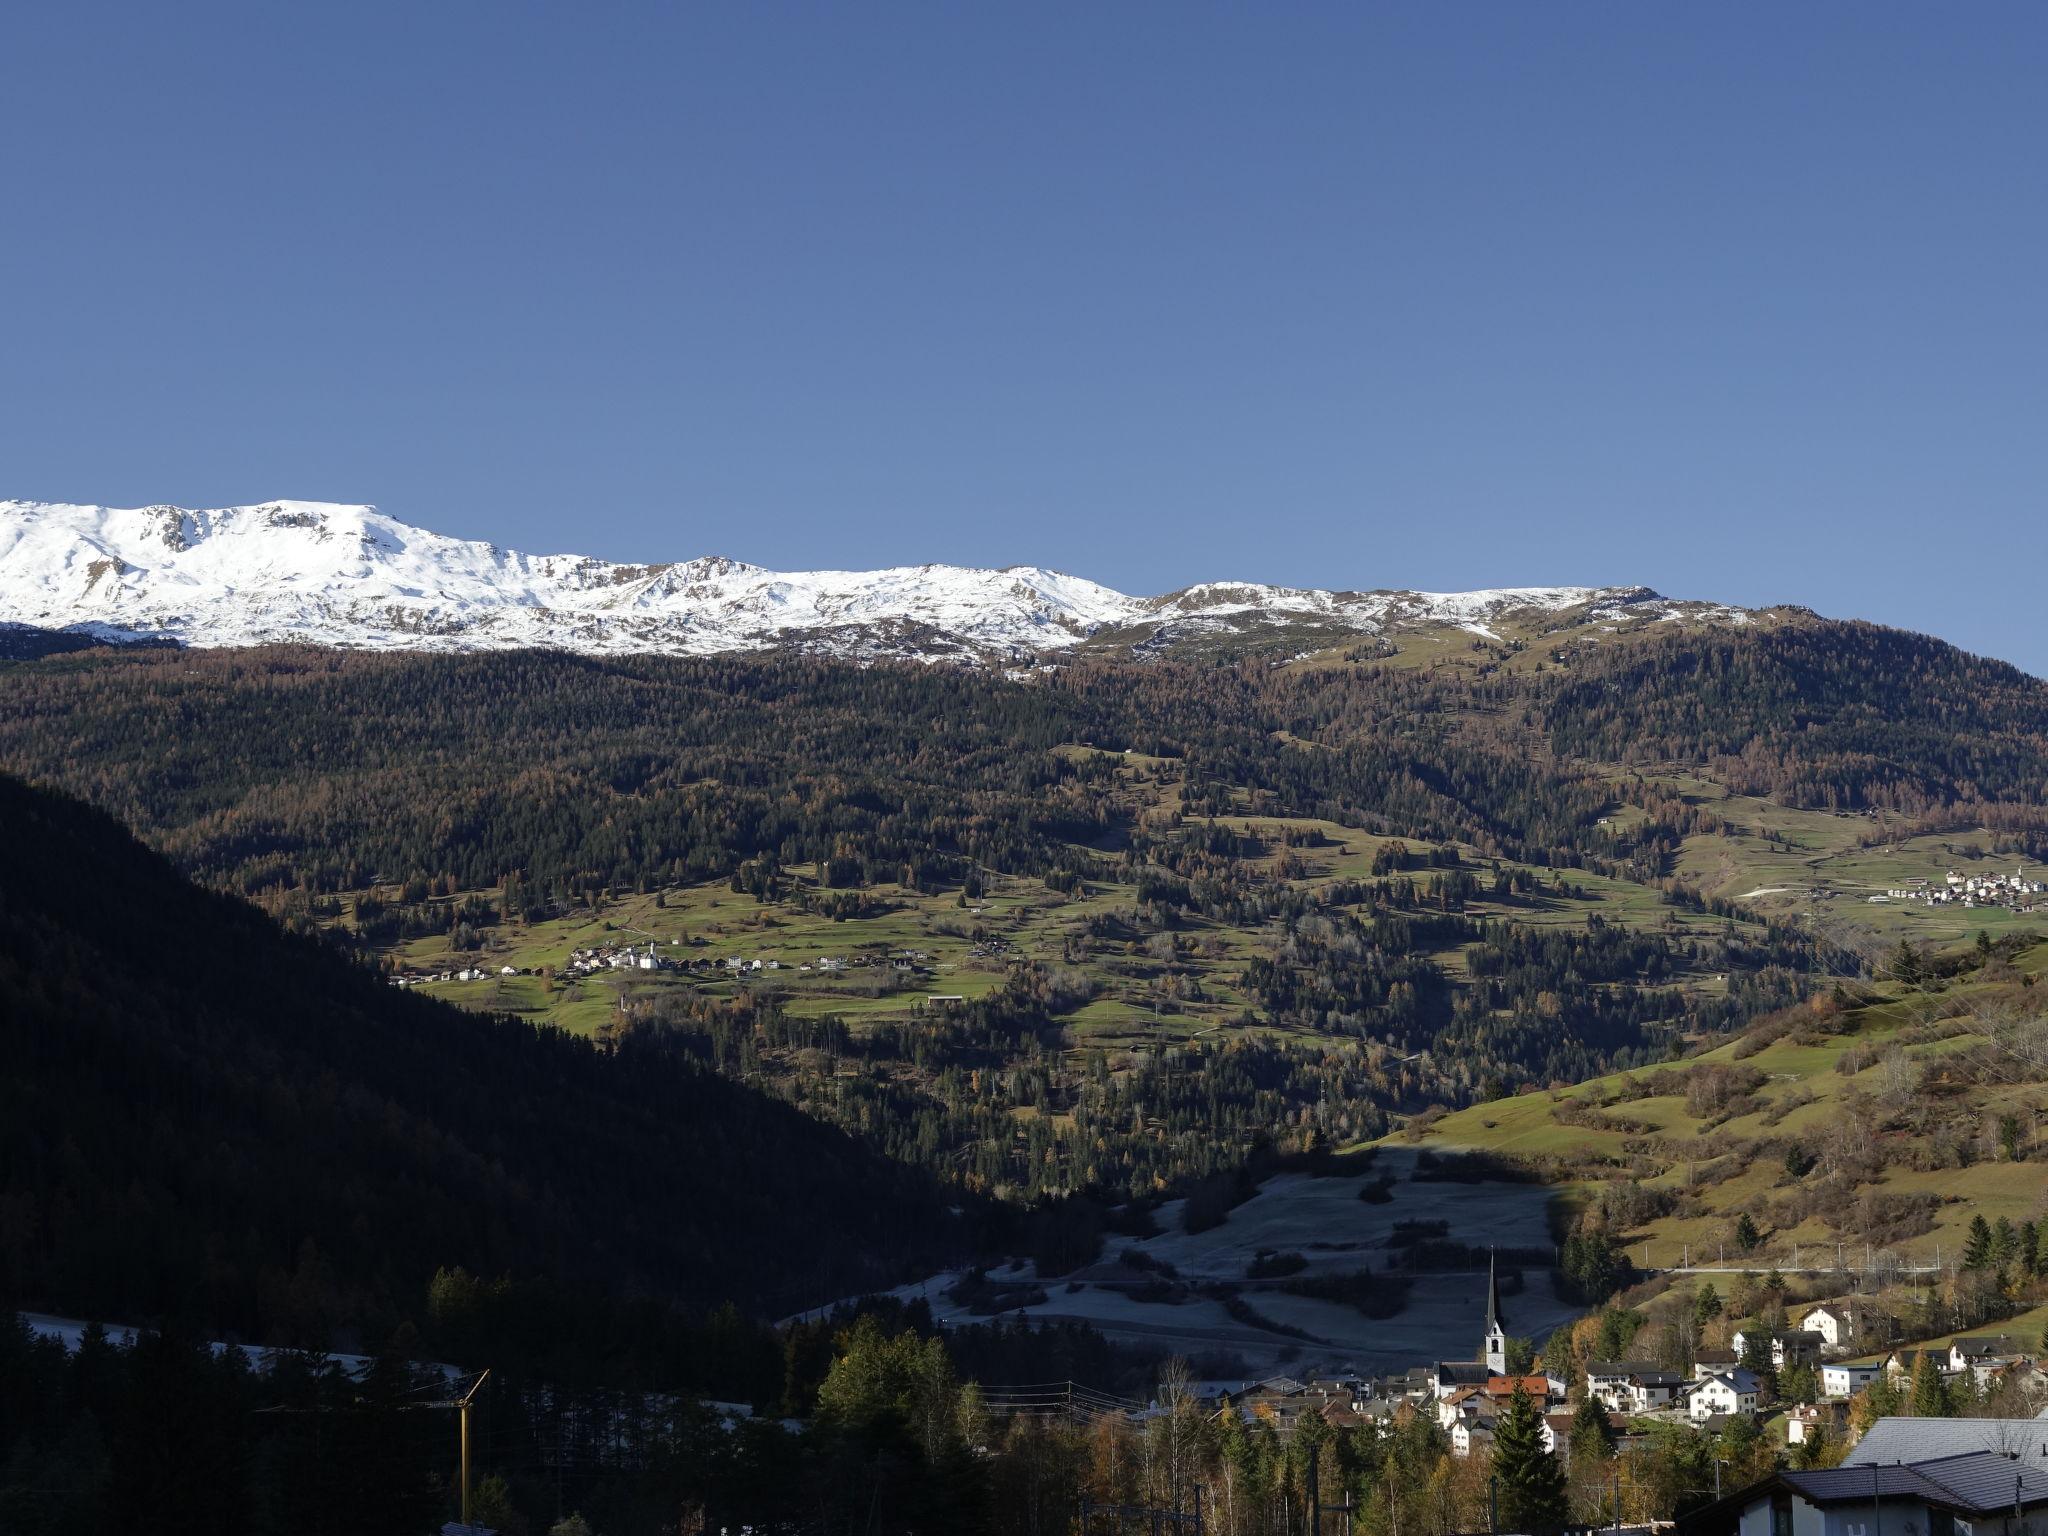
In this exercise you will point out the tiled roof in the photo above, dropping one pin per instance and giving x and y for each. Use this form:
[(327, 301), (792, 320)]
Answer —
[(1979, 1482), (1911, 1440)]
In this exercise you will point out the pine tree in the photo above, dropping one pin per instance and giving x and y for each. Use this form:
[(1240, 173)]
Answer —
[(1879, 1400), (1706, 1303), (1977, 1252), (1746, 1234), (1592, 1437), (2005, 1243), (1800, 1383), (1930, 1392), (1531, 1484)]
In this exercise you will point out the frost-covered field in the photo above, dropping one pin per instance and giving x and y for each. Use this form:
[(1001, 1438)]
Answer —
[(1336, 1232)]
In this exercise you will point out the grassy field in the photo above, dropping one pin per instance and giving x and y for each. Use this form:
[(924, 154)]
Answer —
[(1798, 864), (1720, 1166), (964, 948)]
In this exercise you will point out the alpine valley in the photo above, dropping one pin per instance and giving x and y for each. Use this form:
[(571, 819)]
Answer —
[(593, 971)]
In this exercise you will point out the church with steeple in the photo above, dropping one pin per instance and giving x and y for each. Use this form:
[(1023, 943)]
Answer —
[(1495, 1350)]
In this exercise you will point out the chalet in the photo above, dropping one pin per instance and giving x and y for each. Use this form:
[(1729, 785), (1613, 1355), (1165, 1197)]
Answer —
[(1984, 1356), (1789, 1348), (1843, 1379), (1982, 1493), (1632, 1386), (1347, 1392), (1278, 1400), (1734, 1393), (1500, 1388), (1464, 1405), (1469, 1435), (1834, 1321), (1713, 1362), (1810, 1421), (1899, 1364)]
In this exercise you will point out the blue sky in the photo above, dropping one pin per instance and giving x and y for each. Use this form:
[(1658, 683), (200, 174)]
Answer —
[(1741, 301)]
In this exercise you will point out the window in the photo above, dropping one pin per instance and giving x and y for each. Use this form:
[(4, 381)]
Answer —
[(1781, 1514)]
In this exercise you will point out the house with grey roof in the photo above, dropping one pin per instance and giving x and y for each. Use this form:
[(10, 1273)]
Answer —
[(1974, 1493), (1892, 1440)]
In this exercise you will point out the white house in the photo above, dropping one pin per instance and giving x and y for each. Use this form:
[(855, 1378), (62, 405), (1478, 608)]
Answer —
[(1811, 1421), (1841, 1379), (1632, 1386), (1734, 1392), (1469, 1435), (1985, 1355), (1834, 1321), (1786, 1348)]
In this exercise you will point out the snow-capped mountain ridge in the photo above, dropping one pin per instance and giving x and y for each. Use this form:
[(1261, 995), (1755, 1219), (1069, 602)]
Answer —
[(340, 575)]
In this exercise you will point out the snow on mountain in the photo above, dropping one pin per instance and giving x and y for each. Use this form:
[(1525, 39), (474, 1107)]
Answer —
[(328, 574)]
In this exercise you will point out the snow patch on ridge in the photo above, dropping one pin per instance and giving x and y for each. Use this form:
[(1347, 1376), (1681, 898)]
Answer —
[(342, 575)]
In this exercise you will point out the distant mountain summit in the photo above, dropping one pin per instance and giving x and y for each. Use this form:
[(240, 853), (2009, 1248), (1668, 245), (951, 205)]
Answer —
[(324, 573)]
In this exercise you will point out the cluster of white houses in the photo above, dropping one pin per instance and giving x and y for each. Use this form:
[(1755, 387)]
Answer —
[(471, 972), (2017, 890), (1467, 1397), (616, 957), (598, 959)]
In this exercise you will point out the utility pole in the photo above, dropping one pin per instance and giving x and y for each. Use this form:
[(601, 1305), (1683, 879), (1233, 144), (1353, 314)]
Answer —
[(462, 1406)]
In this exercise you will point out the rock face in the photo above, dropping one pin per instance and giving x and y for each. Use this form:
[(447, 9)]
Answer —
[(327, 574)]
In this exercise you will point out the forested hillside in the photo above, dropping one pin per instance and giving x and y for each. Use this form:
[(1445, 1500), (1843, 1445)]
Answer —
[(1184, 911), (327, 770), (1831, 716), (205, 1119)]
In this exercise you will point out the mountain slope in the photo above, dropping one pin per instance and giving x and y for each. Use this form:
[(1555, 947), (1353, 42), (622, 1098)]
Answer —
[(1884, 1113), (329, 574), (206, 1117)]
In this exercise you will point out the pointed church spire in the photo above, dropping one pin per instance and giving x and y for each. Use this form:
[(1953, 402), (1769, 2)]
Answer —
[(1495, 1350)]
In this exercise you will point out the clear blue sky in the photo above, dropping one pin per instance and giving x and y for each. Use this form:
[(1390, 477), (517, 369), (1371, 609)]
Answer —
[(1742, 301)]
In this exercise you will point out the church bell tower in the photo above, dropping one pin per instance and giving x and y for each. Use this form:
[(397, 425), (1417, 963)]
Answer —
[(1495, 1352)]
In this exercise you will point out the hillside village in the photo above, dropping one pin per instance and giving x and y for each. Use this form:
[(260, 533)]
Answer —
[(1815, 1382), (2016, 892), (653, 956)]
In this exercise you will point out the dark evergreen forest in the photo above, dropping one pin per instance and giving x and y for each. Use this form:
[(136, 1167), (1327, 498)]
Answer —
[(208, 1120)]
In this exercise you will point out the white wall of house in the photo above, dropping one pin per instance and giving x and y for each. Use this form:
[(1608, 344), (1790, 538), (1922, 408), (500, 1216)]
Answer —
[(1829, 1324), (1847, 1380)]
